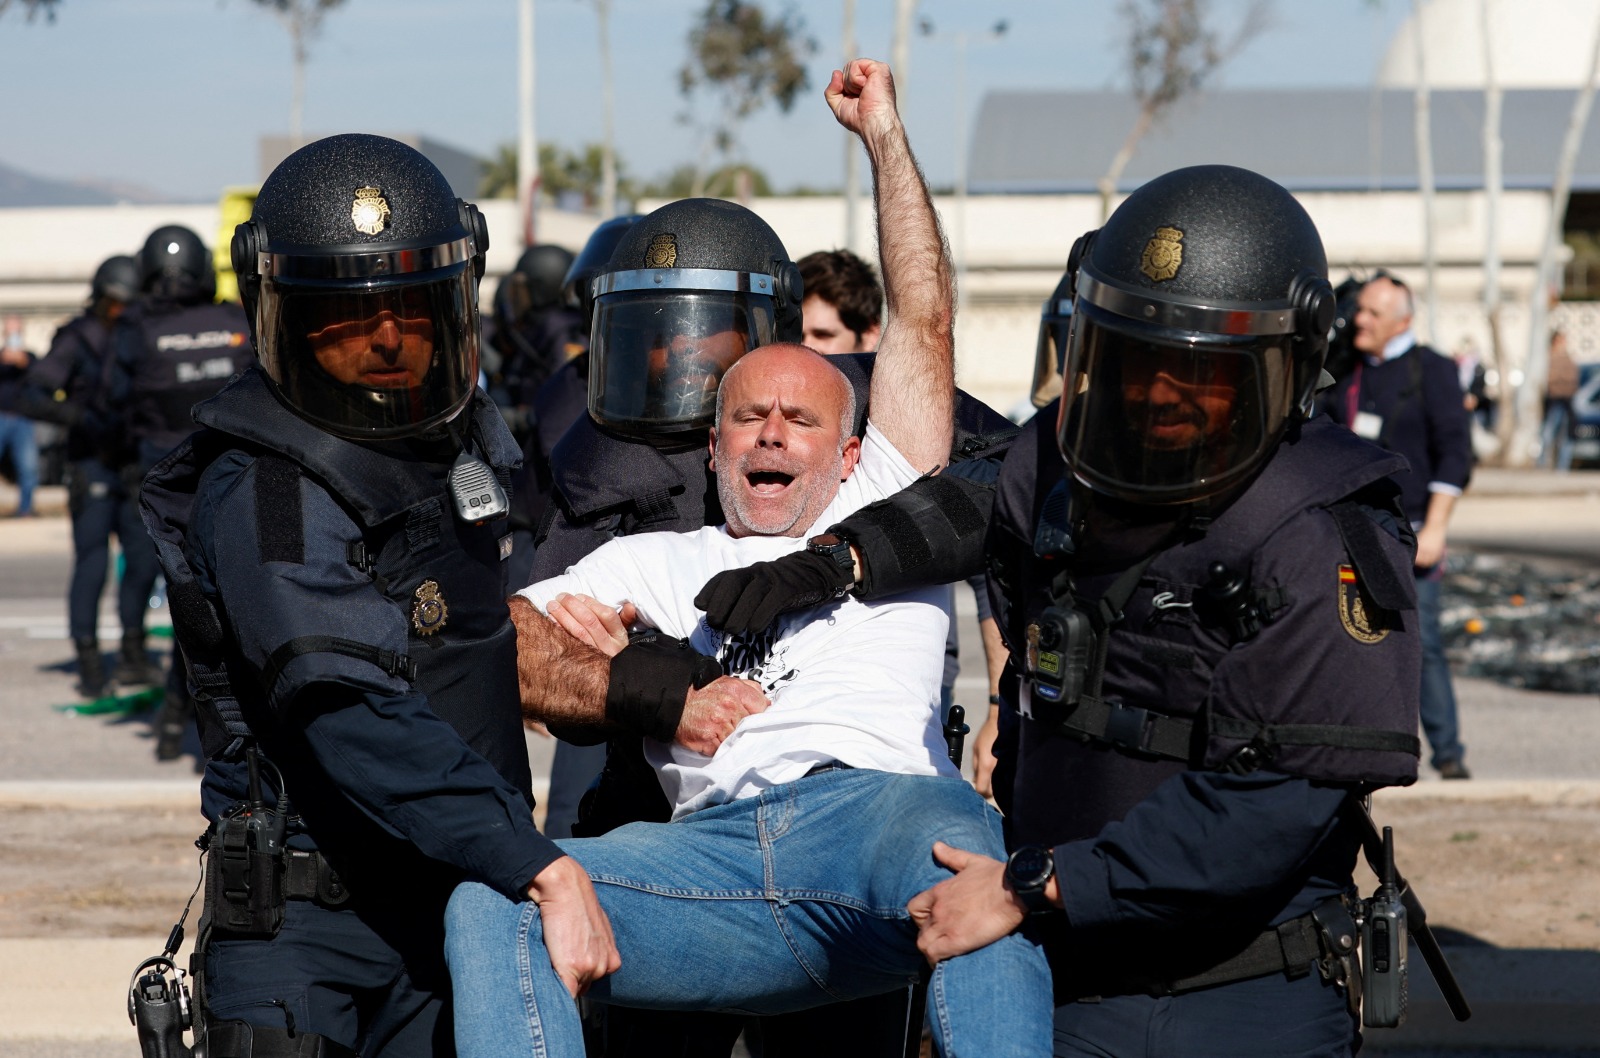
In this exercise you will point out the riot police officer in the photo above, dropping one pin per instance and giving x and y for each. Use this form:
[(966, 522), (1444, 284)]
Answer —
[(174, 347), (559, 402), (68, 387), (335, 540), (1212, 638), (534, 332)]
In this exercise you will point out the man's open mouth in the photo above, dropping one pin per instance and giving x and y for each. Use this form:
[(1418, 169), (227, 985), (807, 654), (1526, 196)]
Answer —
[(768, 482)]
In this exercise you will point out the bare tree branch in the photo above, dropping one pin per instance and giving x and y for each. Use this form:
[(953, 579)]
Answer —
[(1172, 51), (33, 8), (742, 59)]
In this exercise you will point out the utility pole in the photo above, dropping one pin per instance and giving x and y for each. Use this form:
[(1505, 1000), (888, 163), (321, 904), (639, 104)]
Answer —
[(1424, 138), (608, 151), (527, 142), (962, 39), (852, 148)]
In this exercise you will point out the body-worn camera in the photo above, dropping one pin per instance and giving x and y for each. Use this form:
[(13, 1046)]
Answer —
[(1060, 653), (1383, 948)]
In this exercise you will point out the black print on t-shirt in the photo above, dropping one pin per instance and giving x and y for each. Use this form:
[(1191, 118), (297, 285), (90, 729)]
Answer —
[(755, 656)]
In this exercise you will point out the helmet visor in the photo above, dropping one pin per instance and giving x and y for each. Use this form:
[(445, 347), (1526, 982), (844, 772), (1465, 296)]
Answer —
[(657, 357), (1157, 416), (374, 361)]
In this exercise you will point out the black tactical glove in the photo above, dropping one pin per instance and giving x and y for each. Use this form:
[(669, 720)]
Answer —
[(741, 601)]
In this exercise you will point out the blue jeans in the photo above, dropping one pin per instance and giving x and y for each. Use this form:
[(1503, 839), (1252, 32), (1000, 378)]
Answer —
[(16, 437), (787, 900), (1438, 700)]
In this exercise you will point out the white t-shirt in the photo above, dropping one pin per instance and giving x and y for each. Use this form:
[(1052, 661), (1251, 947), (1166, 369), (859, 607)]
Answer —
[(849, 681)]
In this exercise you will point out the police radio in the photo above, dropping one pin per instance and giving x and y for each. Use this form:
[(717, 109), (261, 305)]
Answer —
[(1060, 649), (1383, 948), (475, 491)]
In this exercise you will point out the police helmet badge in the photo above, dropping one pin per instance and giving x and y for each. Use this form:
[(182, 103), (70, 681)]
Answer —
[(430, 612), (369, 212), (662, 251), (1364, 621), (1163, 254)]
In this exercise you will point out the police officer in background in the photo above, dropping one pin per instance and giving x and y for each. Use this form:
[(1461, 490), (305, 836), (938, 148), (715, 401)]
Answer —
[(534, 333), (689, 289), (560, 401), (335, 540), (1213, 637), (69, 387), (172, 348)]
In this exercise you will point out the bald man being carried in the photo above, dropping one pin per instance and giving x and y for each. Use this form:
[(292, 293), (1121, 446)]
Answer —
[(801, 828)]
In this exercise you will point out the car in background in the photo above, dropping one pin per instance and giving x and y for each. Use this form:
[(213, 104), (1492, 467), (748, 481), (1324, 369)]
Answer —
[(1585, 422)]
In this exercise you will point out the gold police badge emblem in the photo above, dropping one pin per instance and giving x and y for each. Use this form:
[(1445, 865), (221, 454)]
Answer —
[(430, 612), (1365, 622), (662, 252), (369, 212), (1163, 254)]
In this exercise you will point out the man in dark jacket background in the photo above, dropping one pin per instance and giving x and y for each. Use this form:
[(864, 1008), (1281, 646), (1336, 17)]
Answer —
[(1407, 398)]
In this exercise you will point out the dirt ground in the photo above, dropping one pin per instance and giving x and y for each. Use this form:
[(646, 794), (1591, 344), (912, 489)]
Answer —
[(1506, 873)]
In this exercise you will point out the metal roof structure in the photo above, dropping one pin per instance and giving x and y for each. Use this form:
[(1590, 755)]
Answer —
[(1043, 142)]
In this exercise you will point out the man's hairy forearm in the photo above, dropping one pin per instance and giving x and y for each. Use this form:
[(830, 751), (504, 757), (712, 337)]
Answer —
[(913, 381), (560, 680)]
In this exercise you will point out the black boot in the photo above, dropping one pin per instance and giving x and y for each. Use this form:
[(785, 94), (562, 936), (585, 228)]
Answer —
[(91, 668), (171, 724), (133, 664)]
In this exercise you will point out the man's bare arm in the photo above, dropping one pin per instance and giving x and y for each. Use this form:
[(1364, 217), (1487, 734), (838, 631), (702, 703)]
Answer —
[(564, 682), (912, 399), (559, 679)]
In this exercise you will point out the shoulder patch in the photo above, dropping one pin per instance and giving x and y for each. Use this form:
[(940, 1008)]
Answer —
[(1364, 620)]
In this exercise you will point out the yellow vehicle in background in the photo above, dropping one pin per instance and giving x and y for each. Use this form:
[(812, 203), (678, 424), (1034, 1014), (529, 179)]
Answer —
[(235, 205)]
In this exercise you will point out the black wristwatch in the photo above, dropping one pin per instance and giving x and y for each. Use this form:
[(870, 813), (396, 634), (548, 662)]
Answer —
[(1028, 871), (835, 549)]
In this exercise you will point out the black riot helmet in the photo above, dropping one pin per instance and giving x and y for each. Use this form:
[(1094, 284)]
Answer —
[(533, 286), (1055, 322), (175, 265), (689, 290), (576, 288), (359, 271), (1200, 322), (117, 279)]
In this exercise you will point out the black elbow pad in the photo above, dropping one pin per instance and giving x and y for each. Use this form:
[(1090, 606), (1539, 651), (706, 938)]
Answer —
[(931, 532)]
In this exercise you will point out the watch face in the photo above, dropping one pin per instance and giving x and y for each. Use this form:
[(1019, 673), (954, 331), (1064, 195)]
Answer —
[(1029, 867)]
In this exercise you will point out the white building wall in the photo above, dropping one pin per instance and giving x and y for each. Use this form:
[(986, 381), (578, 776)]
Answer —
[(1013, 247)]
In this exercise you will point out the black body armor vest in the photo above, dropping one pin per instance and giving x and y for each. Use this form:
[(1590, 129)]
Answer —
[(466, 668), (1163, 652), (187, 354)]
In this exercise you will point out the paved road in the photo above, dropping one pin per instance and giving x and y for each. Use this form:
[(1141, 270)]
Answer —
[(1513, 735)]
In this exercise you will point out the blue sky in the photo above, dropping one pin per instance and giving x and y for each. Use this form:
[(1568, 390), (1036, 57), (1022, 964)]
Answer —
[(173, 94)]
